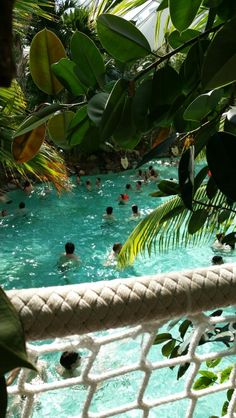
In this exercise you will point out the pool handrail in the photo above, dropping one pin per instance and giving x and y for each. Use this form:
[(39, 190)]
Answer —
[(59, 311)]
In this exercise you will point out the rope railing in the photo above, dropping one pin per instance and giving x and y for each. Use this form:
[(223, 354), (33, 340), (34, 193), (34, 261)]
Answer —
[(114, 324), (52, 312)]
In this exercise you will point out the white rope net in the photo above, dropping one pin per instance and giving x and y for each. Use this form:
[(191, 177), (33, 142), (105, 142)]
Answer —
[(136, 370)]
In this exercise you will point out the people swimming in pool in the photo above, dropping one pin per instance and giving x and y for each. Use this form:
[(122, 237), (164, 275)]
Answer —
[(69, 364), (22, 211), (112, 258), (88, 185), (128, 186), (98, 183), (138, 186), (27, 187), (123, 198), (217, 259), (135, 212), (108, 215), (219, 245), (69, 258), (4, 213)]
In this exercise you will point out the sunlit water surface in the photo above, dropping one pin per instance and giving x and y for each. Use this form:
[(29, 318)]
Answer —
[(31, 246)]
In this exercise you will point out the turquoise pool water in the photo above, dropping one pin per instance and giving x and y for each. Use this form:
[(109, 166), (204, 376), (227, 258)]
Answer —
[(31, 246)]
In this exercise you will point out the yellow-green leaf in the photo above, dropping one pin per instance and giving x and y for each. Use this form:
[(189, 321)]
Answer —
[(46, 49), (58, 128), (26, 146)]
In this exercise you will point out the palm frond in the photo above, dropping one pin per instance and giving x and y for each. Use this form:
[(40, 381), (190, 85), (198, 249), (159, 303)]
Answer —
[(167, 227), (12, 99), (47, 166), (25, 9), (126, 6)]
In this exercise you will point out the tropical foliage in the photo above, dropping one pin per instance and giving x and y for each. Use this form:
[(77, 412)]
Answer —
[(121, 89)]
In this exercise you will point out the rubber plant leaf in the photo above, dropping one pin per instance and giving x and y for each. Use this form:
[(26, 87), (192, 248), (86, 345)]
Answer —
[(168, 187), (166, 86), (177, 38), (76, 137), (12, 341), (141, 105), (211, 188), (96, 107), (121, 39), (197, 220), (91, 140), (163, 5), (90, 67), (183, 12), (220, 153), (126, 134), (46, 49), (219, 66), (113, 109), (64, 70), (201, 175), (26, 146), (78, 126), (186, 176), (38, 118), (190, 73), (202, 105), (57, 128)]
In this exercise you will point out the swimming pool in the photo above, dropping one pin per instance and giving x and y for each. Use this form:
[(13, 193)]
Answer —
[(32, 244)]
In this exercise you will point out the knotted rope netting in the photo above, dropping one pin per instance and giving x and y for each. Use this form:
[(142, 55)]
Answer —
[(128, 313)]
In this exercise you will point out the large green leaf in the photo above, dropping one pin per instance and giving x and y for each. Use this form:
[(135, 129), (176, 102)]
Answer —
[(38, 118), (141, 105), (126, 133), (191, 69), (220, 152), (46, 49), (166, 86), (78, 127), (121, 39), (219, 66), (58, 126), (203, 105), (64, 70), (96, 107), (168, 187), (91, 140), (12, 342), (90, 67), (183, 12), (197, 220), (163, 5), (186, 176), (113, 110), (177, 38), (203, 135), (26, 146)]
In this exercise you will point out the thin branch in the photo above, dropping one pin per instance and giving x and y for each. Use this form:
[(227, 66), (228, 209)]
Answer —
[(176, 50)]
